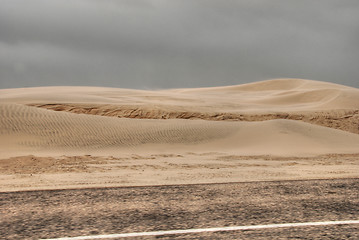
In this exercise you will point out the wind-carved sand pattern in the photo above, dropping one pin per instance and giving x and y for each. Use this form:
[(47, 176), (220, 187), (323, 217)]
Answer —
[(71, 131), (105, 128)]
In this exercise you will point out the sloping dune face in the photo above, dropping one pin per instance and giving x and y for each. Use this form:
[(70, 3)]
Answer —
[(38, 130), (288, 95), (67, 132), (274, 117)]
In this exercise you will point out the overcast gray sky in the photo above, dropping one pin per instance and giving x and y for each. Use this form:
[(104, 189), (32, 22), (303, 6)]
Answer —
[(176, 43)]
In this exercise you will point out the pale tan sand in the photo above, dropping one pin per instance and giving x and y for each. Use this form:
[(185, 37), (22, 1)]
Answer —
[(31, 173), (276, 118), (272, 95)]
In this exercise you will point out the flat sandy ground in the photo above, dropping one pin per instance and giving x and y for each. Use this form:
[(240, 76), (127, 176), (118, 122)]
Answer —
[(76, 137), (33, 173)]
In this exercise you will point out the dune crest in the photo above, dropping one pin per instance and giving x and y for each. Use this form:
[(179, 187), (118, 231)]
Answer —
[(346, 120)]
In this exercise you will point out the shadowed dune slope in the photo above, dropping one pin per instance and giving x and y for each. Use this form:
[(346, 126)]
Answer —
[(30, 130)]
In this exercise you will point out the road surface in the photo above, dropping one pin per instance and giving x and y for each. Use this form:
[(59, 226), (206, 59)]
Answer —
[(98, 211)]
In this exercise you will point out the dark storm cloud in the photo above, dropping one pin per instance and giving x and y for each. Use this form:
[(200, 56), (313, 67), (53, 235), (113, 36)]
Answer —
[(176, 43)]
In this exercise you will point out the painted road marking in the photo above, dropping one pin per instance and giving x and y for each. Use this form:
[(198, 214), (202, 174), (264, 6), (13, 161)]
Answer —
[(219, 229)]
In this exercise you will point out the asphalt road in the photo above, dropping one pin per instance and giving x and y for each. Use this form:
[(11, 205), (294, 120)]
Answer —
[(70, 213)]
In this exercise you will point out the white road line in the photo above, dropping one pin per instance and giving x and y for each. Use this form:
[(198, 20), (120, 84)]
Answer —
[(219, 229)]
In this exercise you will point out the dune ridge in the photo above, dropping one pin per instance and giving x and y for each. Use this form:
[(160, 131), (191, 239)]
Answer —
[(38, 131), (346, 120), (264, 97)]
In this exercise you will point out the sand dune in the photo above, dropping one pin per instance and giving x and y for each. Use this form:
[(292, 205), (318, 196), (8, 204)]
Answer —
[(33, 130), (29, 130), (320, 103), (286, 94), (260, 119), (267, 96)]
